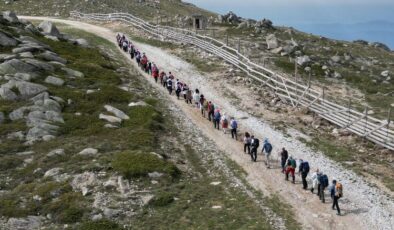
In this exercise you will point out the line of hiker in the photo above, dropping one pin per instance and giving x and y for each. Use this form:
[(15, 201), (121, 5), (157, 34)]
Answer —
[(212, 113)]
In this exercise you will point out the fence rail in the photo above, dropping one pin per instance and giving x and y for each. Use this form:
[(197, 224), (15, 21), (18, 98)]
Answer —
[(296, 94)]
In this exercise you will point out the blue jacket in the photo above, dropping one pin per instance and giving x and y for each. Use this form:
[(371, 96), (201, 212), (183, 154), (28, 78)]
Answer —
[(267, 147)]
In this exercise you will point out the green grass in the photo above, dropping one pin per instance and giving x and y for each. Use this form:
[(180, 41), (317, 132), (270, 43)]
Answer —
[(100, 225), (136, 164)]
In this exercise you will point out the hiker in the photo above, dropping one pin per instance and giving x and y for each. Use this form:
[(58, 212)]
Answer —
[(144, 62), (234, 126), (149, 68), (283, 158), (267, 149), (169, 86), (211, 110), (254, 143), (138, 58), (170, 76), (315, 181), (247, 141), (178, 88), (161, 76), (336, 193), (205, 106), (323, 184), (131, 51), (291, 165), (196, 97), (201, 104), (165, 80), (216, 118), (155, 72), (125, 45), (189, 96), (224, 122), (304, 170)]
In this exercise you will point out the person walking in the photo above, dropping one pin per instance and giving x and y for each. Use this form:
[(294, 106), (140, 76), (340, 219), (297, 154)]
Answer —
[(178, 88), (315, 181), (201, 104), (155, 72), (304, 170), (169, 86), (196, 97), (323, 184), (224, 122), (216, 119), (291, 165), (283, 158), (189, 97), (234, 127), (211, 110), (267, 149), (336, 193), (161, 76), (247, 141), (254, 143)]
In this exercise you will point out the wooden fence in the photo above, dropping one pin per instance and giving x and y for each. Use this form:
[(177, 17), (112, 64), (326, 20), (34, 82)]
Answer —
[(295, 93)]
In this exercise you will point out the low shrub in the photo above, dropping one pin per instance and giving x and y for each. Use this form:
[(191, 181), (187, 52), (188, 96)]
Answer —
[(100, 225), (68, 208), (163, 199)]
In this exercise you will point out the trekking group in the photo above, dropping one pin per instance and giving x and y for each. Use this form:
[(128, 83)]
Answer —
[(212, 112)]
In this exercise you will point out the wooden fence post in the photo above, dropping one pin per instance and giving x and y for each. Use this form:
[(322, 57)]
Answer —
[(388, 124)]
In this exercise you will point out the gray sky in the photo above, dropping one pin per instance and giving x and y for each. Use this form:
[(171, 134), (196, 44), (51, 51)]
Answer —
[(292, 12)]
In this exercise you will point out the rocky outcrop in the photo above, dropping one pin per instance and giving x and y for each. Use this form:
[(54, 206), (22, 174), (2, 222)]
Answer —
[(231, 18), (49, 28), (6, 40), (10, 16), (272, 42)]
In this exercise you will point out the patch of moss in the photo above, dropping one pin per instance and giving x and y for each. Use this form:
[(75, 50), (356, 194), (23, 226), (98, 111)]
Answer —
[(136, 164), (163, 199), (68, 208)]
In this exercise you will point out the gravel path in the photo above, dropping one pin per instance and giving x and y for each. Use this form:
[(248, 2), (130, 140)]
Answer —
[(365, 207)]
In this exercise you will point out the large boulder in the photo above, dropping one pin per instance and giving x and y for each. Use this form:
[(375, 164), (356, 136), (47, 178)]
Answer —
[(272, 42), (49, 28), (41, 130), (17, 66), (40, 64), (8, 94), (22, 89), (231, 17), (30, 222), (10, 16), (303, 60), (73, 73), (380, 45), (6, 40)]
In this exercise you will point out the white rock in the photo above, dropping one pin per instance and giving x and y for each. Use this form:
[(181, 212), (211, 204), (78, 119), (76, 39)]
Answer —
[(155, 175), (120, 114), (140, 103), (25, 153), (56, 152), (111, 119), (385, 73), (88, 152), (97, 217), (216, 207), (53, 172), (54, 81), (48, 137), (110, 126), (215, 183)]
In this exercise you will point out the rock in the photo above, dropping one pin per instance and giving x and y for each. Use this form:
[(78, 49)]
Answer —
[(97, 217), (215, 183), (52, 172), (6, 40), (2, 118), (54, 81), (111, 213), (110, 119), (216, 207), (242, 25), (56, 152), (118, 113), (10, 16), (337, 75), (26, 55), (8, 94), (27, 89), (18, 113), (272, 42), (231, 18), (380, 45), (81, 182), (53, 38), (385, 73), (140, 103), (49, 28), (110, 126), (16, 136), (41, 130), (50, 56), (155, 175), (277, 50), (303, 60), (73, 73), (90, 91), (49, 105), (40, 64), (88, 152), (16, 66), (82, 42), (23, 76), (48, 138), (123, 186), (30, 222), (336, 59), (27, 153), (32, 29)]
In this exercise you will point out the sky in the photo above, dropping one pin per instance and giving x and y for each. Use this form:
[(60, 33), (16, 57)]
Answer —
[(354, 18)]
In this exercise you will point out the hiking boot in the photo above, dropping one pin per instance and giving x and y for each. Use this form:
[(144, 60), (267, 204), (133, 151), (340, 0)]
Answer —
[(338, 214), (311, 190)]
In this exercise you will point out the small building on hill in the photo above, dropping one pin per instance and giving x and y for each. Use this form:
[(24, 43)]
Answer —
[(200, 22)]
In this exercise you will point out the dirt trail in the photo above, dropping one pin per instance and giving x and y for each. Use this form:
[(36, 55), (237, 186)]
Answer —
[(364, 207)]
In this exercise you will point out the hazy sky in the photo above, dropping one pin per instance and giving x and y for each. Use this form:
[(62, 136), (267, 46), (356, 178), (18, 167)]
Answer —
[(293, 12)]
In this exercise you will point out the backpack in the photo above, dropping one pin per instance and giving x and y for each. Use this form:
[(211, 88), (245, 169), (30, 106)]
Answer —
[(268, 147), (225, 122), (324, 181), (305, 167), (256, 142), (293, 163), (339, 189)]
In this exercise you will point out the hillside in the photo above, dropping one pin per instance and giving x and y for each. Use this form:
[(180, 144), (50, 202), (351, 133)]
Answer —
[(147, 9)]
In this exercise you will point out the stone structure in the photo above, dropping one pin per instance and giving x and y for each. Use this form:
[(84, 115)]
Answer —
[(199, 22)]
